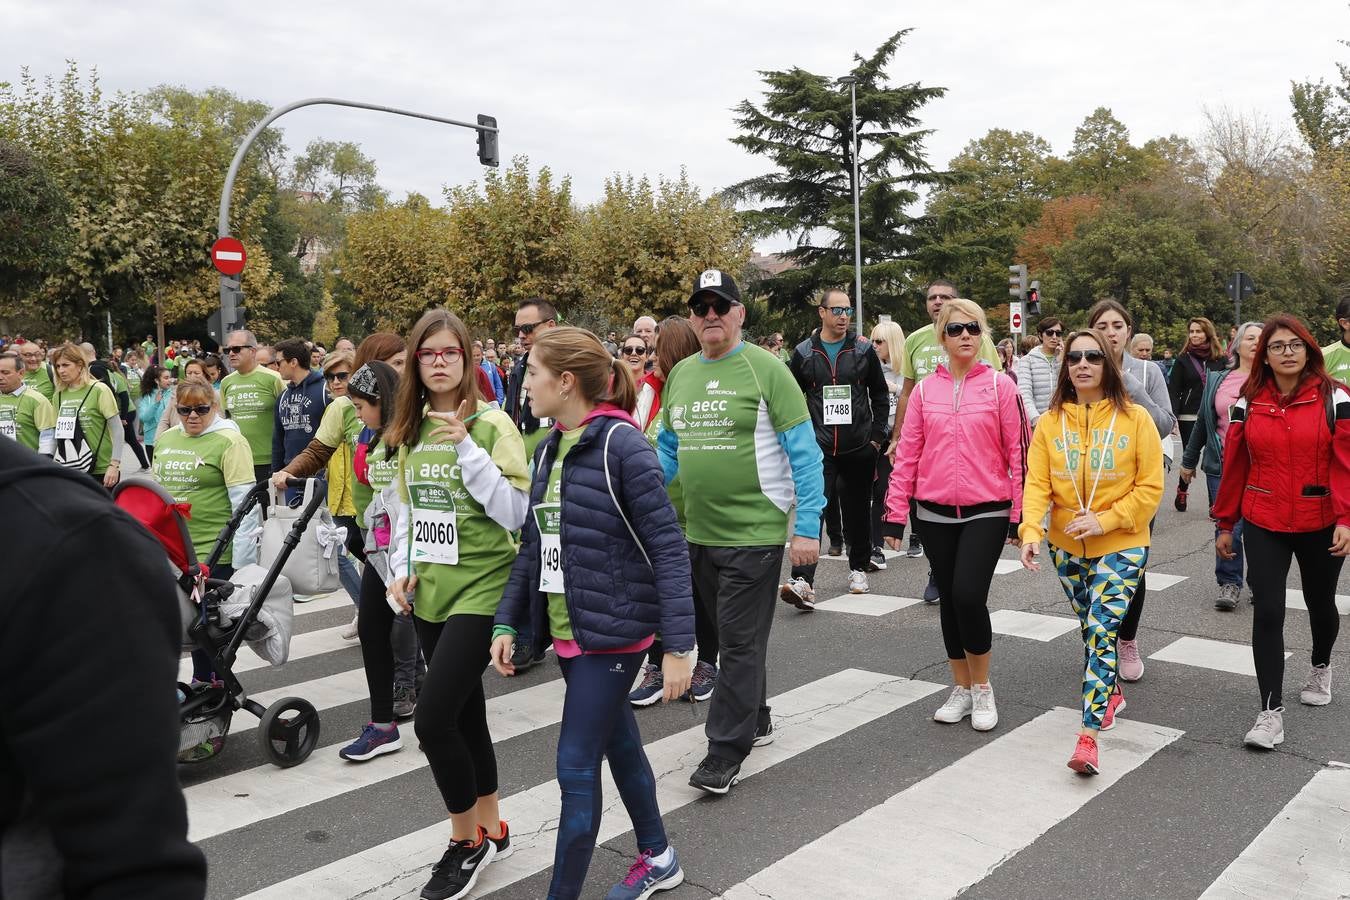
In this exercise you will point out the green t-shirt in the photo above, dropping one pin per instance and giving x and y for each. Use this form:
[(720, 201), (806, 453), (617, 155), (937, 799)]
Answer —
[(95, 405), (727, 415), (923, 353), (198, 471), (24, 416), (1337, 358), (134, 386), (548, 516), (251, 401), (445, 522), (41, 380)]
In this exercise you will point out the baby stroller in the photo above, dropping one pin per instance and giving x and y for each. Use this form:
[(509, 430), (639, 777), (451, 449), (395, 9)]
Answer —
[(217, 623)]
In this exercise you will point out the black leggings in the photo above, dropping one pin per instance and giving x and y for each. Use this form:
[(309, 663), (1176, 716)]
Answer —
[(451, 719), (1129, 626), (356, 538), (879, 486), (129, 435), (963, 556), (1268, 556)]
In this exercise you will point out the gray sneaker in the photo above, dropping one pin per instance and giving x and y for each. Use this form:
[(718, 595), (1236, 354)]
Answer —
[(405, 701), (1268, 730), (1317, 689), (1228, 597)]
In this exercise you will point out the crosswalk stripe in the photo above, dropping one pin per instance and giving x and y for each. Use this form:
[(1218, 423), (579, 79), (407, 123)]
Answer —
[(1033, 626), (1293, 599), (1303, 852), (1008, 566), (866, 604), (324, 693), (1158, 581), (1206, 654), (224, 804), (311, 643), (340, 600), (953, 828), (804, 718)]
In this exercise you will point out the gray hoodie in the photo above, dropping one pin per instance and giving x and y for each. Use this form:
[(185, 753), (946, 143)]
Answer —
[(1146, 385)]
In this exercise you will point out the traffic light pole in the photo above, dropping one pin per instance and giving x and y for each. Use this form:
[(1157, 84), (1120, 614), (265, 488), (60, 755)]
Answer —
[(229, 287)]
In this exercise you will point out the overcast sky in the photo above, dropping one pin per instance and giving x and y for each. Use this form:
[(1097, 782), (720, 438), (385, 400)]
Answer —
[(591, 88)]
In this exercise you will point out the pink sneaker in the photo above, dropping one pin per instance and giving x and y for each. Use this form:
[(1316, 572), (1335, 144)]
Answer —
[(1131, 666), (1113, 706), (1084, 759)]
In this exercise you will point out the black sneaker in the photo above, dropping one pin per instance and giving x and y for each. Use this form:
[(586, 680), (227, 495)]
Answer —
[(715, 775), (915, 547), (454, 876), (405, 701), (522, 657), (763, 735), (836, 550), (930, 593), (502, 845), (878, 561)]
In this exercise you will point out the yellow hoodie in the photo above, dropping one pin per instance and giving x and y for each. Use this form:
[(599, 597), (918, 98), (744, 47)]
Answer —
[(1129, 459)]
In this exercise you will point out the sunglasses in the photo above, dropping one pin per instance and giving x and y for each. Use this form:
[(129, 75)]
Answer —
[(1094, 357), (202, 410), (337, 376), (239, 348), (839, 312), (1054, 332), (426, 356), (634, 351), (720, 305), (954, 329), (530, 327)]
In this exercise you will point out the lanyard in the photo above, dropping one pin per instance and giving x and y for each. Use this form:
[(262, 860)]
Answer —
[(1110, 438), (466, 420)]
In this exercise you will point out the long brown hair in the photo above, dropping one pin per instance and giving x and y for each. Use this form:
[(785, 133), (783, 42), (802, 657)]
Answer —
[(412, 393), (675, 340), (382, 345), (601, 378), (1314, 367), (1216, 348), (1113, 385)]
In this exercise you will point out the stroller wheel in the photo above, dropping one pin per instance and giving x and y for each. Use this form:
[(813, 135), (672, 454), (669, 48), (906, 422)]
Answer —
[(289, 731)]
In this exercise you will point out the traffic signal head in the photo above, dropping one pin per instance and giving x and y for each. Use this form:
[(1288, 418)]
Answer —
[(487, 142), (1017, 281), (1034, 299)]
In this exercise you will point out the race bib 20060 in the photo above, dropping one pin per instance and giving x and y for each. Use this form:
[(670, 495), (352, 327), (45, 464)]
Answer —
[(435, 532)]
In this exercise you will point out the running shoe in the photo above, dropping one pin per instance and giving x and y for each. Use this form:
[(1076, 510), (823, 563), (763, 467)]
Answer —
[(959, 705), (878, 561), (374, 741), (930, 593), (983, 712), (799, 594), (1113, 706), (1228, 597), (461, 864), (502, 846), (1268, 730), (703, 683), (836, 550), (763, 736), (1084, 759), (645, 878), (915, 547), (521, 657), (857, 582), (405, 701), (1317, 689), (653, 683), (715, 775), (349, 632), (1131, 665)]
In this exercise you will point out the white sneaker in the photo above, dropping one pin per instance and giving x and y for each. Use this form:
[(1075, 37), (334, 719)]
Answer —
[(957, 707), (1317, 689), (983, 714), (349, 632), (1268, 730), (857, 582), (799, 594)]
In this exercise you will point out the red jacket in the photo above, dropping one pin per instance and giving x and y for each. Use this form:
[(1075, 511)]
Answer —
[(1283, 468)]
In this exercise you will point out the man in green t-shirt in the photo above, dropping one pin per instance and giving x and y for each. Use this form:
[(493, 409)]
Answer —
[(249, 395), (736, 430), (1337, 355), (25, 415), (37, 372)]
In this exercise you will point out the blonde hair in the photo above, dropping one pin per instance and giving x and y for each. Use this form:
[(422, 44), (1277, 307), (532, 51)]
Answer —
[(894, 336), (337, 358), (193, 391), (965, 307), (71, 353), (601, 378)]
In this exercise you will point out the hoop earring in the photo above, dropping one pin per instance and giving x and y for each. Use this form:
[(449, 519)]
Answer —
[(562, 395)]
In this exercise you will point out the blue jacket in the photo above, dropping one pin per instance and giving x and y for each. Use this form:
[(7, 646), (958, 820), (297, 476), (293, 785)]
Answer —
[(1205, 434), (297, 418), (622, 585)]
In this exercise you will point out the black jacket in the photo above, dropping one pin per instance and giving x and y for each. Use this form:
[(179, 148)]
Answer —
[(89, 645), (1186, 384), (517, 403), (857, 365)]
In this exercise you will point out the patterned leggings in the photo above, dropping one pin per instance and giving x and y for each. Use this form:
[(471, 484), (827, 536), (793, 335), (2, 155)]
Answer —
[(1100, 590)]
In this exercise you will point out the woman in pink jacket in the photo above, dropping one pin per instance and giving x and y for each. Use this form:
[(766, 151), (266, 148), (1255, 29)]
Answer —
[(959, 468)]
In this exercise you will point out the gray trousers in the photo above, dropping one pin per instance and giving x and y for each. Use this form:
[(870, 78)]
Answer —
[(739, 586)]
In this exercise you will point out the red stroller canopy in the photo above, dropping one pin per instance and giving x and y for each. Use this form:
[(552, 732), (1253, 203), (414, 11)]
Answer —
[(148, 503)]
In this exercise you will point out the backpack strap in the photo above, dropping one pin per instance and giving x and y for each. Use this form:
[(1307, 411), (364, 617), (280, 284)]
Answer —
[(609, 483)]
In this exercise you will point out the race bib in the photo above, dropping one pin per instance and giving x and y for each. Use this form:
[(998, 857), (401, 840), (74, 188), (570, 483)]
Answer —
[(435, 531), (65, 428), (838, 404), (549, 518), (9, 428)]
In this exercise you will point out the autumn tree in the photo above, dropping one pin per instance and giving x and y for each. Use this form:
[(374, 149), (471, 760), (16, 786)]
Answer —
[(395, 263)]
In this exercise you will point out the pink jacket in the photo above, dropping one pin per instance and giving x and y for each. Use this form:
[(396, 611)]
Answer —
[(960, 455)]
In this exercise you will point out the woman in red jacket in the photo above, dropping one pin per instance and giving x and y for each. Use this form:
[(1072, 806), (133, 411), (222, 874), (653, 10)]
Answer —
[(1286, 472)]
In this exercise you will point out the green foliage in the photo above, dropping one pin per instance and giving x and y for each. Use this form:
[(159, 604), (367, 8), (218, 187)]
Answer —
[(33, 231)]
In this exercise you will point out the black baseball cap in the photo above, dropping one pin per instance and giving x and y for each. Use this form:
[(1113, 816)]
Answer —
[(715, 281)]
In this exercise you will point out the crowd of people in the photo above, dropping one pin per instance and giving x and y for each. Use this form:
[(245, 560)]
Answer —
[(627, 502)]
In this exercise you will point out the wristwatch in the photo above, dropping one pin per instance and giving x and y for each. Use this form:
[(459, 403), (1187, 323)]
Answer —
[(680, 654)]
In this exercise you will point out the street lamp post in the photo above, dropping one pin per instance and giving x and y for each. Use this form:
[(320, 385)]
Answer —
[(852, 82)]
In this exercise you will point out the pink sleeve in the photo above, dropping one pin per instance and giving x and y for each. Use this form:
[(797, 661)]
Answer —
[(1016, 440), (907, 454)]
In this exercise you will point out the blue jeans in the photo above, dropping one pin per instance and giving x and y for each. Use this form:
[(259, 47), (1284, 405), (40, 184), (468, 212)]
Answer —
[(598, 723), (1226, 571)]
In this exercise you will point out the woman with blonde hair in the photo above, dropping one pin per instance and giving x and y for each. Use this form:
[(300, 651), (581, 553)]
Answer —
[(889, 340), (89, 432)]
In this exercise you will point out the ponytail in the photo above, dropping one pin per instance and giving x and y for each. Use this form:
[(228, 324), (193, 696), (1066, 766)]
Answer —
[(600, 377), (622, 387)]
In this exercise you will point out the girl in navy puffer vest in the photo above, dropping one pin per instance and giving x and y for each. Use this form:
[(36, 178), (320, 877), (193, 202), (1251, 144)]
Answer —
[(602, 567)]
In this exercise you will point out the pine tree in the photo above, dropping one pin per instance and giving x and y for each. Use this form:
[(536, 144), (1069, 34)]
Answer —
[(804, 126)]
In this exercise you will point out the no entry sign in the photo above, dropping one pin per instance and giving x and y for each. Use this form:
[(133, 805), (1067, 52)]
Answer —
[(227, 255)]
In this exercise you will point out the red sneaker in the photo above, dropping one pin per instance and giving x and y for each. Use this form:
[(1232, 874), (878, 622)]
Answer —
[(1084, 759), (1113, 706), (1180, 501)]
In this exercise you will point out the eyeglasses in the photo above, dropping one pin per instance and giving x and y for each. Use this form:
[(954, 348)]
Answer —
[(427, 357), (529, 327), (699, 306), (634, 351), (838, 312), (202, 410), (239, 348), (337, 376), (1053, 332), (941, 296), (954, 329), (1286, 348), (1094, 357)]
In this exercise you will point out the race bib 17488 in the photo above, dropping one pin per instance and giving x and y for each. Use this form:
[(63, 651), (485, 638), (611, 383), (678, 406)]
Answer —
[(838, 399)]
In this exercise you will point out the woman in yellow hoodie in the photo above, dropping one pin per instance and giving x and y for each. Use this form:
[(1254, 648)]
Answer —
[(1096, 466)]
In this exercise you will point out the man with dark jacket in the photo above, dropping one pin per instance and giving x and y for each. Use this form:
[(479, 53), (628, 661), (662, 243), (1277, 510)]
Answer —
[(105, 820), (300, 406), (841, 376)]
